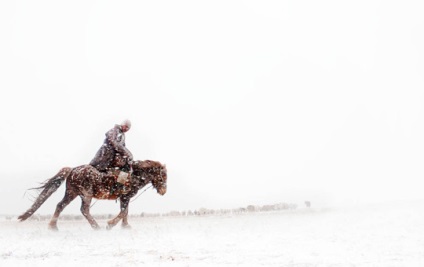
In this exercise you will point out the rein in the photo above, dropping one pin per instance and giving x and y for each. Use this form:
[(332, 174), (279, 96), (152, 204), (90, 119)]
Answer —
[(151, 185), (141, 193)]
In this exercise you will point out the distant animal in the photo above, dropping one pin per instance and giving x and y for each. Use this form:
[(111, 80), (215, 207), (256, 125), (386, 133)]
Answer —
[(308, 204), (88, 183)]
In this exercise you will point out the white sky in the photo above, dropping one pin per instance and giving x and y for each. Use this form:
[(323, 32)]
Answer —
[(247, 102)]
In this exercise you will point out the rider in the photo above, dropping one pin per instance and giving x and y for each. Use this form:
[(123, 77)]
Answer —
[(114, 155)]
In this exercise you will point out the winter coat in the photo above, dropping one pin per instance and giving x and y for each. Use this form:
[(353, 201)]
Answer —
[(113, 151)]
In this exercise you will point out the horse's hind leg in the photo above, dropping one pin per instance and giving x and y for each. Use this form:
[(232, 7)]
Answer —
[(85, 210), (69, 196)]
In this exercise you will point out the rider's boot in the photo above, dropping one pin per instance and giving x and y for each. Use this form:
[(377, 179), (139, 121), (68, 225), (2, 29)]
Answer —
[(116, 187)]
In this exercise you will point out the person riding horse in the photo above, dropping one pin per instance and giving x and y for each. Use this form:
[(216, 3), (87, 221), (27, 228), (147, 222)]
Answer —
[(113, 155), (112, 174)]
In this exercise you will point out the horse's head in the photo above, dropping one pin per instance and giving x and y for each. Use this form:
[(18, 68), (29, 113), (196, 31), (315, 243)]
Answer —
[(160, 179), (154, 172)]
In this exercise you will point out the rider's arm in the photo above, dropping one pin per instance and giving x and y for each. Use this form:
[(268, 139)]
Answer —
[(112, 137)]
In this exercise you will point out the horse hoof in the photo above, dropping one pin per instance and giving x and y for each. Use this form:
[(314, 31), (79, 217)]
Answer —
[(126, 226), (109, 227), (53, 228)]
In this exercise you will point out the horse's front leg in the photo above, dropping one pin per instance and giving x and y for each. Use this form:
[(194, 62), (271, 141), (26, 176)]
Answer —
[(122, 215), (85, 210), (125, 220)]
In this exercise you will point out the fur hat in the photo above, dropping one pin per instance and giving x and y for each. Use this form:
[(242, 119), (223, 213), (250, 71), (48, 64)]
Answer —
[(126, 123)]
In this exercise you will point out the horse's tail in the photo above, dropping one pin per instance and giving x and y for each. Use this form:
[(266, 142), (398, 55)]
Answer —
[(49, 187)]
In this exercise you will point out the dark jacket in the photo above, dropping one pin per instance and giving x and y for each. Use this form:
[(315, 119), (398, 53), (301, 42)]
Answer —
[(113, 151)]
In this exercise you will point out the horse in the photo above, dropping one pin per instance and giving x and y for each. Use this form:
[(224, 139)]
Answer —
[(88, 183)]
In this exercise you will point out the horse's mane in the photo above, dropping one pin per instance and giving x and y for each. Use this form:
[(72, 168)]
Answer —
[(147, 164)]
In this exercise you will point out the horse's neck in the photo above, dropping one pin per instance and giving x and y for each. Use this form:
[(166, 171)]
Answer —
[(143, 179), (147, 174)]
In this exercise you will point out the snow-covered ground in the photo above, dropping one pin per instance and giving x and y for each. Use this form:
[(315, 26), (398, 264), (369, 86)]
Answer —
[(378, 235)]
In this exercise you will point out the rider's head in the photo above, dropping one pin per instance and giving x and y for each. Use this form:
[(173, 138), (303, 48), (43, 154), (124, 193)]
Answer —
[(126, 125)]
